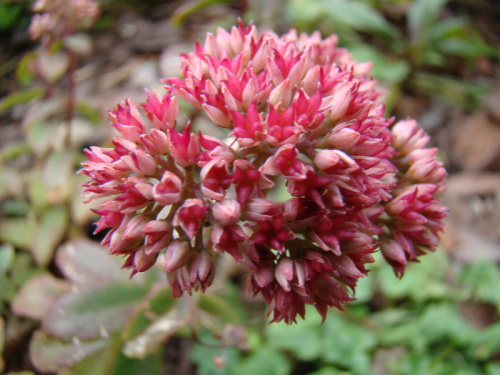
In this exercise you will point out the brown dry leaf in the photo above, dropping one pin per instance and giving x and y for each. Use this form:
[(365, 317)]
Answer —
[(475, 143), (492, 104), (468, 184)]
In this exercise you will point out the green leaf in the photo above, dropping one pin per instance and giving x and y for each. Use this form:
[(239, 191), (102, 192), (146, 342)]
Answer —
[(37, 295), (156, 304), (49, 354), (79, 43), (437, 323), (102, 362), (384, 69), (92, 313), (41, 137), (9, 15), (493, 368), (365, 289), (20, 97), (14, 150), (11, 183), (264, 361), (347, 344), (465, 94), (204, 356), (7, 255), (51, 230), (2, 343), (466, 48), (304, 12), (111, 361), (46, 110), (23, 72), (189, 8), (88, 111), (53, 66), (448, 28), (423, 14), (487, 342), (481, 281), (18, 232), (17, 208), (23, 269), (219, 307), (56, 173), (302, 339), (7, 289), (358, 16), (410, 285), (330, 371), (442, 322), (38, 193), (151, 365), (88, 264), (156, 334)]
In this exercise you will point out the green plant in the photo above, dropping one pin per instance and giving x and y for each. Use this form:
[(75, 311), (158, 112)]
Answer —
[(411, 326), (415, 58)]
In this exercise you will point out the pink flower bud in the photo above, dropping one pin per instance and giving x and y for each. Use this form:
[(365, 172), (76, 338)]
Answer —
[(183, 148), (135, 228), (226, 212), (284, 273), (336, 105), (143, 261), (395, 255), (201, 270), (217, 116), (409, 136), (281, 94), (264, 275), (343, 138), (335, 162), (190, 215), (177, 255), (168, 191)]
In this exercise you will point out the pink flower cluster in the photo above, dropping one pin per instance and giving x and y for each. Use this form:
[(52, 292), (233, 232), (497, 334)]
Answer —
[(310, 181), (59, 18)]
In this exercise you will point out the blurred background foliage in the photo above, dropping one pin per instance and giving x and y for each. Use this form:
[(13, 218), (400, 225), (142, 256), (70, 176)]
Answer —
[(67, 307)]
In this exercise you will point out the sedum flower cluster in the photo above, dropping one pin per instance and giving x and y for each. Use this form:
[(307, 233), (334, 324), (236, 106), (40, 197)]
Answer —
[(57, 19), (310, 182)]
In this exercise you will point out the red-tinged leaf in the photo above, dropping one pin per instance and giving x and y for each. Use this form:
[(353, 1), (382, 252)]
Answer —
[(86, 263), (51, 230), (88, 314), (19, 232), (50, 355), (37, 295)]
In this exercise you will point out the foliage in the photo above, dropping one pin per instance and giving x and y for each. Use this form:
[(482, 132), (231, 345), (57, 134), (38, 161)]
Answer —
[(14, 15), (416, 328), (416, 58)]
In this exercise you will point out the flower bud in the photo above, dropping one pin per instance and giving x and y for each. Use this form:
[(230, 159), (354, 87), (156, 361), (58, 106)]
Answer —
[(343, 139), (168, 191), (143, 261), (264, 274), (134, 230), (177, 255), (394, 254), (226, 212), (284, 273)]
